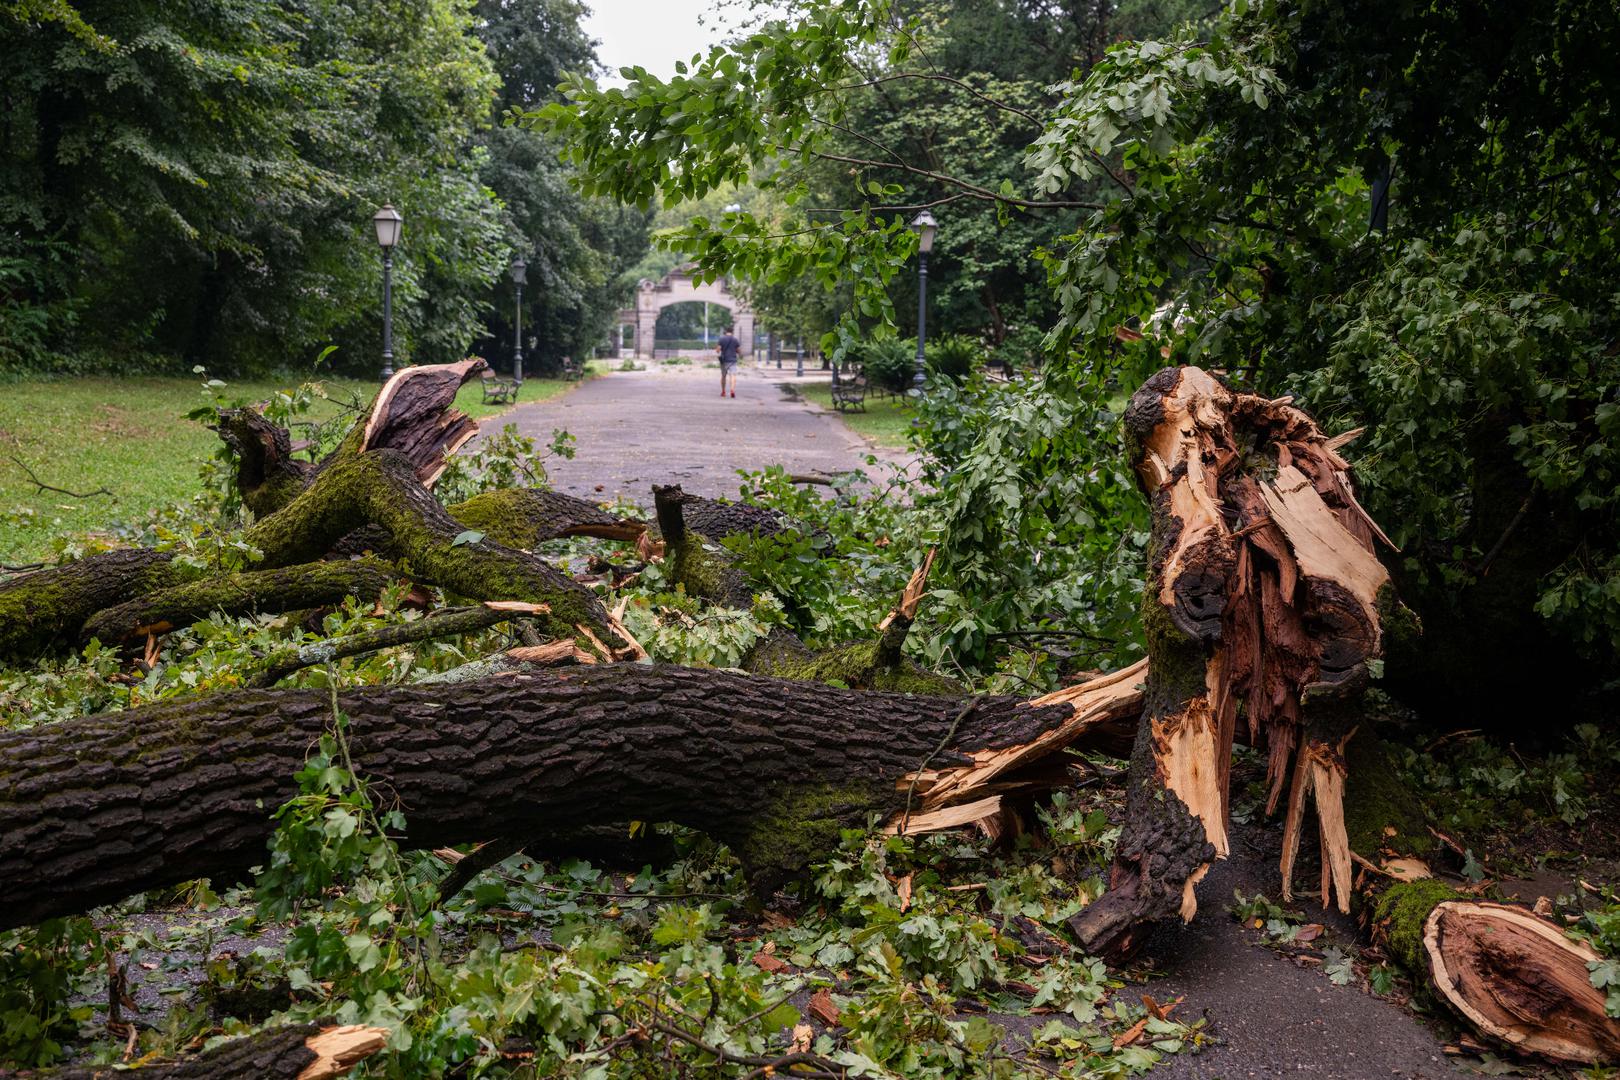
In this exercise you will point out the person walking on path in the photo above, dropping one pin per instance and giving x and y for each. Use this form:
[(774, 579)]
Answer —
[(728, 347)]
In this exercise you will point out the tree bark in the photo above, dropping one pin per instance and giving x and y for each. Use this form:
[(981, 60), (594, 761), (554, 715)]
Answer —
[(528, 517), (279, 665), (294, 1052), (381, 488), (95, 809), (48, 607)]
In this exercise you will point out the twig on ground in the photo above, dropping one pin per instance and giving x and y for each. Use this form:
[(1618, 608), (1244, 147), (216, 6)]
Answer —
[(43, 486)]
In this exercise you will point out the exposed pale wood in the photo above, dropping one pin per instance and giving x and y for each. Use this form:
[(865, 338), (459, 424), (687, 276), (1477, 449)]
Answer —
[(414, 413), (911, 596), (1114, 699), (552, 652), (950, 817), (339, 1049), (1345, 438), (1406, 869), (1517, 978), (1188, 754), (1319, 776), (1321, 544), (520, 606), (1265, 577)]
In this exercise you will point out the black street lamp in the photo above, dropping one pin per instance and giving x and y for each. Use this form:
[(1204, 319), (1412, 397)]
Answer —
[(926, 226), (517, 270), (388, 222)]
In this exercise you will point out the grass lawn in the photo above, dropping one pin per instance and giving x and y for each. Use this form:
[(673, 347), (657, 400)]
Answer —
[(886, 421), (131, 437)]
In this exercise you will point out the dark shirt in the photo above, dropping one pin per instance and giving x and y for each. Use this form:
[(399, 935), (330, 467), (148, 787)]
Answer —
[(728, 349)]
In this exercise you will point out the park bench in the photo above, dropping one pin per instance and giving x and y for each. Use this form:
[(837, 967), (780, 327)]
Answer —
[(849, 390), (497, 391), (571, 368)]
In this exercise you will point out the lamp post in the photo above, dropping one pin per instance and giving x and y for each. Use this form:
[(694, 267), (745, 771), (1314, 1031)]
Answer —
[(517, 270), (926, 227), (388, 222)]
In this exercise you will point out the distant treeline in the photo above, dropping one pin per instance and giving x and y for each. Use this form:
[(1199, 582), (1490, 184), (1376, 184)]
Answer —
[(193, 183)]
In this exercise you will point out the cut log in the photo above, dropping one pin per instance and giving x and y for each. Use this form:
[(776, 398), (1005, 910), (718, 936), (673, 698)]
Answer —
[(296, 1052), (1517, 978), (97, 808)]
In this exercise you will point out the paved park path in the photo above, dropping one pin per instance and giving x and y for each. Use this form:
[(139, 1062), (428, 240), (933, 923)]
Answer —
[(639, 428)]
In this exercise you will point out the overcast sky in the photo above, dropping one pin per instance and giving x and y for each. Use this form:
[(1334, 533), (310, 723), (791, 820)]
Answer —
[(656, 33)]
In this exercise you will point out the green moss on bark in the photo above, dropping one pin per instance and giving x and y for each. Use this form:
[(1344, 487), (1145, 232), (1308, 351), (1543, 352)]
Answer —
[(250, 592), (857, 666), (45, 609), (1400, 916), (1377, 800), (802, 825)]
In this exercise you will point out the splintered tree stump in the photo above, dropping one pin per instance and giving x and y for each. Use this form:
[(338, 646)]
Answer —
[(1517, 978), (1263, 590), (97, 808)]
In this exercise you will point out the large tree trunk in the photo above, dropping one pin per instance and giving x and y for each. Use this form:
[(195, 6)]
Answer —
[(94, 809)]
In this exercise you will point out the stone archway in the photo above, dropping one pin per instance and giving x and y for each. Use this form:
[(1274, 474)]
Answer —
[(678, 287)]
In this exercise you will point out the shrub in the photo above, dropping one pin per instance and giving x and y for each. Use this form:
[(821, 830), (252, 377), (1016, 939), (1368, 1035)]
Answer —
[(889, 363), (955, 356)]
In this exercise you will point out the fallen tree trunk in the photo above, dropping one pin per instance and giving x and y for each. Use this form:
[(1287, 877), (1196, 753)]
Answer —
[(295, 1052), (48, 607), (375, 485), (95, 809)]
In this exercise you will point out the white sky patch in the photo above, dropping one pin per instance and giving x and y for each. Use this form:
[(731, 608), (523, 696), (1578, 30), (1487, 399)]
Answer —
[(656, 33)]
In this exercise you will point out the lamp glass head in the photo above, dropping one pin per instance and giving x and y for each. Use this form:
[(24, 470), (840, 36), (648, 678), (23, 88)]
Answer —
[(926, 227), (517, 270), (388, 222)]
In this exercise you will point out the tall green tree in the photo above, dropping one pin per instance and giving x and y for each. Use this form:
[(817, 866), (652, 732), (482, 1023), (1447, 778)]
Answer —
[(578, 250), (198, 178)]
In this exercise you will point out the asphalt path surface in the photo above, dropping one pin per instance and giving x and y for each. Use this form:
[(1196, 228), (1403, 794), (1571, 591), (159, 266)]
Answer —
[(671, 426)]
